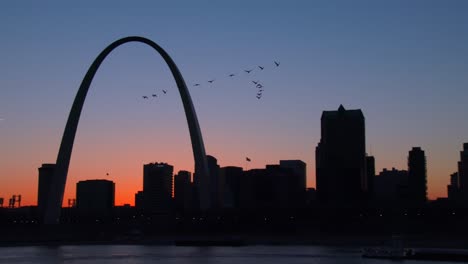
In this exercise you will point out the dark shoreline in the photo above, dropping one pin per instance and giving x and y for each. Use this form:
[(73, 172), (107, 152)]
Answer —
[(419, 241)]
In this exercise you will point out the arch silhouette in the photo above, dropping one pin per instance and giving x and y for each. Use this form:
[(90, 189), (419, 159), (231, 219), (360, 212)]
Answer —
[(57, 187)]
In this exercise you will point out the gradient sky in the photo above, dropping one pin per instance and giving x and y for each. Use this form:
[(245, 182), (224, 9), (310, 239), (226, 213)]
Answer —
[(404, 63)]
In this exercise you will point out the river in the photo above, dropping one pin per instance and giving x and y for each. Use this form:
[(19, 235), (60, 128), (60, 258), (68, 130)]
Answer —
[(140, 254)]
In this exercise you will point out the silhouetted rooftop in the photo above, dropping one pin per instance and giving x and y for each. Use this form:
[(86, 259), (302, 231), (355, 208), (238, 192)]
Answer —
[(342, 111)]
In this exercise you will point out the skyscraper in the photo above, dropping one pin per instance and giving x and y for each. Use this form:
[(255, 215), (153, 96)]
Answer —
[(46, 172), (341, 158), (213, 169), (95, 196), (370, 171), (157, 187), (417, 178), (452, 188), (296, 181), (463, 174), (230, 182), (183, 190)]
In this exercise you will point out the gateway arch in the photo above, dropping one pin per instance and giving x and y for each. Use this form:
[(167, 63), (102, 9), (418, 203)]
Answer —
[(57, 187)]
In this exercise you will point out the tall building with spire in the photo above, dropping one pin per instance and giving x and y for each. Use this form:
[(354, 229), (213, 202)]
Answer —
[(341, 158)]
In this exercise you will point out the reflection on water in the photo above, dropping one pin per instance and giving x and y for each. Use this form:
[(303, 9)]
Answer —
[(194, 255)]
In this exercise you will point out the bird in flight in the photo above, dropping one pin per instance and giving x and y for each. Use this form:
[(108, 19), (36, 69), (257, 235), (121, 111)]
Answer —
[(259, 86), (255, 82), (145, 97), (248, 71), (107, 174), (154, 95), (197, 84), (232, 74), (211, 81), (261, 68), (165, 91), (277, 63), (259, 96)]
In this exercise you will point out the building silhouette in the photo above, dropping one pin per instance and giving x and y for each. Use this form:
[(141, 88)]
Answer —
[(453, 192), (370, 171), (213, 169), (296, 181), (230, 186), (390, 187), (417, 177), (341, 173), (95, 196), (157, 187), (183, 191), (139, 200), (46, 173), (463, 174)]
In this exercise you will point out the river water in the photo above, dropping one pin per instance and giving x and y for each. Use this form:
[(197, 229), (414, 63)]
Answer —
[(139, 254)]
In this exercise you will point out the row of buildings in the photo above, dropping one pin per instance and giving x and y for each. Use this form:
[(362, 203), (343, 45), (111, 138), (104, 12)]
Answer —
[(345, 177)]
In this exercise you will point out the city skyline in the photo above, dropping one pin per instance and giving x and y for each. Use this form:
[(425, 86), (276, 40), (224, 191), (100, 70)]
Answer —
[(401, 63)]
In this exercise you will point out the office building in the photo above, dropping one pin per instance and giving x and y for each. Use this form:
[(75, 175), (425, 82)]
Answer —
[(95, 196), (417, 177), (157, 187), (390, 187), (341, 173), (230, 189), (46, 173), (463, 174), (183, 191)]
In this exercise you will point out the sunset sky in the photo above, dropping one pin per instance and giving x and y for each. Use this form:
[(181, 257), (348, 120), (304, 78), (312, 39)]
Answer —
[(404, 63)]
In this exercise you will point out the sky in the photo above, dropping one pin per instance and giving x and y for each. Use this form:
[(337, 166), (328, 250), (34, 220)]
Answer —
[(404, 63)]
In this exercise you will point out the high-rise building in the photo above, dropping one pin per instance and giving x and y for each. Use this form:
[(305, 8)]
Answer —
[(139, 201), (213, 168), (341, 158), (417, 177), (230, 180), (296, 182), (46, 173), (452, 188), (157, 187), (370, 171), (95, 196), (463, 174), (183, 190)]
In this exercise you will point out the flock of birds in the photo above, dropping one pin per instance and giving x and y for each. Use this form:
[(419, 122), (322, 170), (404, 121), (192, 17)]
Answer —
[(257, 84)]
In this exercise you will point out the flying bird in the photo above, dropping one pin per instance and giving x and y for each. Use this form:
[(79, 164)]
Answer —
[(197, 84), (107, 174), (277, 64), (165, 91), (255, 82), (261, 68), (248, 71), (154, 95), (145, 97), (211, 81), (259, 86), (259, 96), (232, 74)]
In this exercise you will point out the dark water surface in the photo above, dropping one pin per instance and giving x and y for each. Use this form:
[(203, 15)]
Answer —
[(171, 254)]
